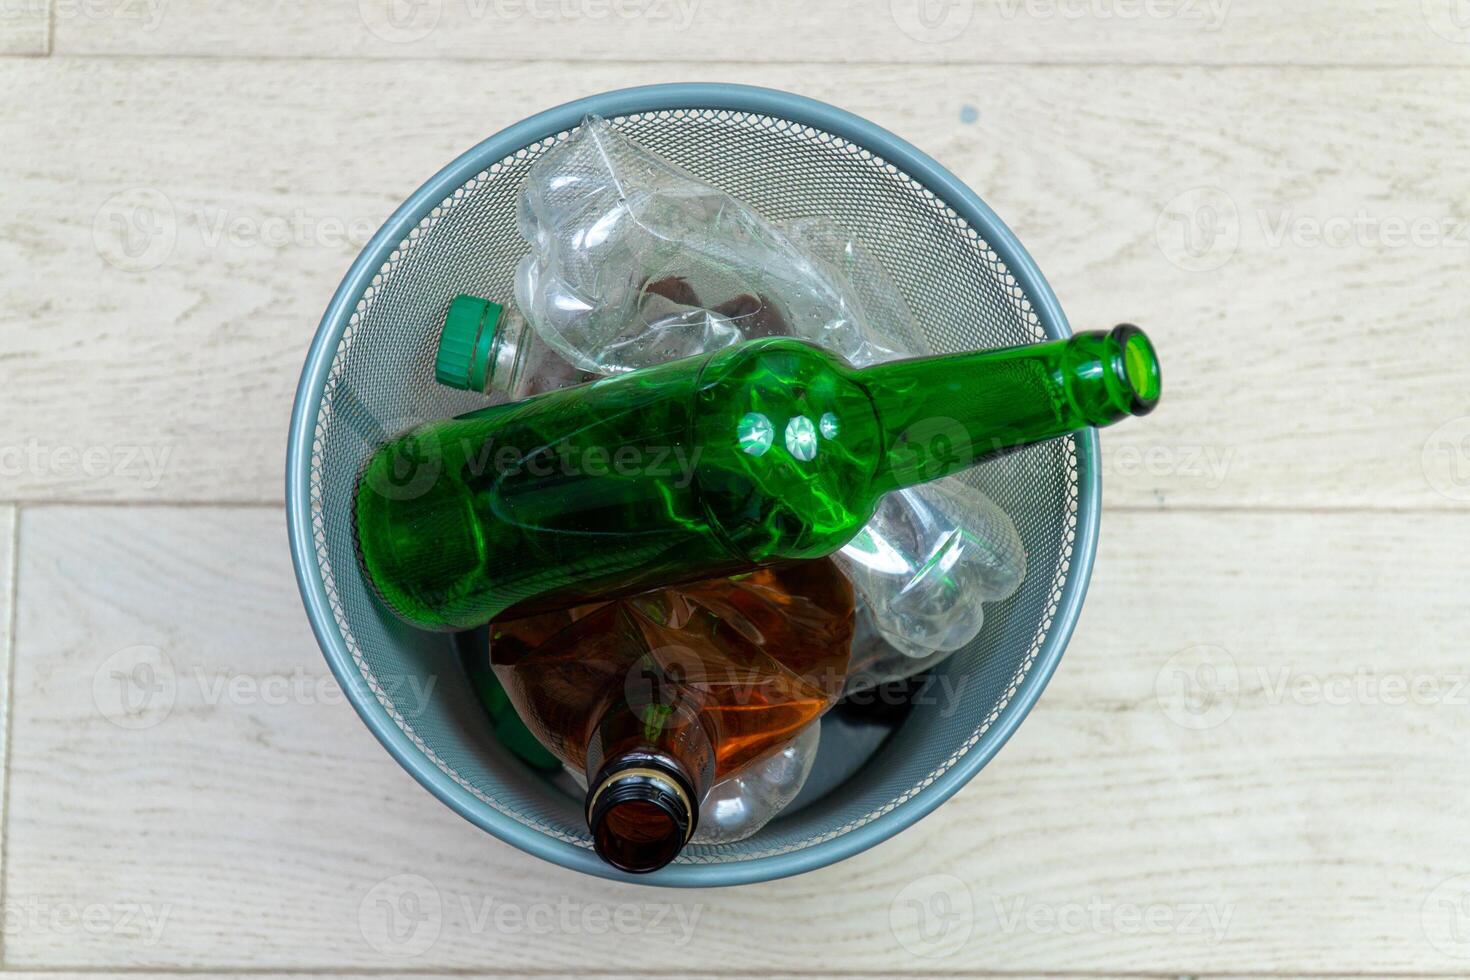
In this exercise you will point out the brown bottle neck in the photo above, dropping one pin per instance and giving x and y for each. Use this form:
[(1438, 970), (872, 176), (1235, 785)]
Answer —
[(648, 768)]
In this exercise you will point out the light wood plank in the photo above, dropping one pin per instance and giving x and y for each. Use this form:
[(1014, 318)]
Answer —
[(7, 630), (581, 975), (1182, 32), (25, 27), (1297, 374), (533, 975), (714, 974), (1316, 834)]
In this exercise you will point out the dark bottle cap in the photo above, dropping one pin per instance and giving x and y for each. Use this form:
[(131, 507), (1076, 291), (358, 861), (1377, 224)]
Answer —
[(641, 812)]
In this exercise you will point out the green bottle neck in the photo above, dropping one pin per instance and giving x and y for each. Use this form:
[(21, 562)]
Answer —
[(943, 414)]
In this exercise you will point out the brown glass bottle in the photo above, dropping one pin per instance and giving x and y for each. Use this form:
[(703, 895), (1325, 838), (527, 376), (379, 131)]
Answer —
[(659, 696)]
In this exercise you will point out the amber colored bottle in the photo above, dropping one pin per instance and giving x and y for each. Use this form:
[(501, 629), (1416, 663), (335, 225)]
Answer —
[(659, 696)]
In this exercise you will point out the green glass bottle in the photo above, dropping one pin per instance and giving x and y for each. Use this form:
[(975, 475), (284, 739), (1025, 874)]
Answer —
[(766, 451)]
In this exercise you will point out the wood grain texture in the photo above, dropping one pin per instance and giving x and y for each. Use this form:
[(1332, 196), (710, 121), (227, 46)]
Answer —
[(502, 975), (165, 257), (1184, 32), (1163, 810), (25, 27), (507, 975), (7, 630)]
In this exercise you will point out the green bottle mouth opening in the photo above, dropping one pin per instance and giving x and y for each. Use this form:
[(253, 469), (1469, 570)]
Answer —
[(1137, 366)]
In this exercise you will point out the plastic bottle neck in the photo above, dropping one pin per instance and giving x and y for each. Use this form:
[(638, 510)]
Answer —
[(505, 373)]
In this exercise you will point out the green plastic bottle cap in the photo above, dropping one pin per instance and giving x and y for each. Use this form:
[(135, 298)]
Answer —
[(466, 343)]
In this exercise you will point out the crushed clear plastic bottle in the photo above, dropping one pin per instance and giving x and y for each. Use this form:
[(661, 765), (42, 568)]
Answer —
[(634, 261), (928, 560), (624, 245), (738, 807)]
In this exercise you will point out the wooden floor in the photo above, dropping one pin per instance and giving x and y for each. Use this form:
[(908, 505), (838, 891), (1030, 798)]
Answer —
[(1279, 190)]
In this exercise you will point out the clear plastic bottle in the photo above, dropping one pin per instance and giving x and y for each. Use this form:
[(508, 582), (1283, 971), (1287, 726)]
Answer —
[(929, 559), (635, 261), (738, 807)]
